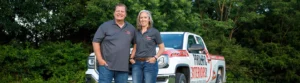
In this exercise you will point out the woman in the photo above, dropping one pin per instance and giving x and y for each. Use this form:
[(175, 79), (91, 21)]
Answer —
[(144, 57)]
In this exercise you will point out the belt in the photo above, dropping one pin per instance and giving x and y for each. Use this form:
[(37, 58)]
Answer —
[(142, 59)]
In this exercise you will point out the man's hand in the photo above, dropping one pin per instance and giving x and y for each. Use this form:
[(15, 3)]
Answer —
[(102, 62), (132, 61)]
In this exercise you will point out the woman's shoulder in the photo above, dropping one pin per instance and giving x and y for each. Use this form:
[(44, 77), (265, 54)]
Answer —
[(155, 30)]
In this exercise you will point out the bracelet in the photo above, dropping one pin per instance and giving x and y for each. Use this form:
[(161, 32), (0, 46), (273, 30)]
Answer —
[(155, 58)]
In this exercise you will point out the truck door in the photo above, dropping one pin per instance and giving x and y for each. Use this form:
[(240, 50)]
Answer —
[(205, 58), (198, 65)]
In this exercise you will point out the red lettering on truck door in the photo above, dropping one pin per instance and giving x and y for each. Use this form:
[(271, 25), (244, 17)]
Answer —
[(198, 72)]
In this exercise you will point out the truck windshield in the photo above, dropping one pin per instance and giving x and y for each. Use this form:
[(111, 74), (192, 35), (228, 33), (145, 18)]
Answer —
[(172, 40)]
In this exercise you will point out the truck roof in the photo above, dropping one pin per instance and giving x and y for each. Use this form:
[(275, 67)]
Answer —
[(172, 32)]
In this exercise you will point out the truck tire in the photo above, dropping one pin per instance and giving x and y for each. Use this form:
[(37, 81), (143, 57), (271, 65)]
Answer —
[(219, 79), (180, 78)]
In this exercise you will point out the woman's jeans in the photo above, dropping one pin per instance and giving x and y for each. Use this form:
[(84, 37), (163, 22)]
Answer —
[(144, 72), (106, 75)]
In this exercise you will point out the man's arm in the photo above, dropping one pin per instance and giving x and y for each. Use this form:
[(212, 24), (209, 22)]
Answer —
[(132, 61), (97, 50), (98, 38)]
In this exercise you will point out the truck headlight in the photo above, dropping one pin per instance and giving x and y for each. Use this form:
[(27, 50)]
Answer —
[(91, 62), (163, 61)]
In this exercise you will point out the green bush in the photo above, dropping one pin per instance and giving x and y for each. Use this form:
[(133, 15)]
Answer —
[(51, 62)]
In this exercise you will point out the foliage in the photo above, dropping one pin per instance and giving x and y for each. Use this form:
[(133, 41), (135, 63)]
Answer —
[(258, 38), (52, 62)]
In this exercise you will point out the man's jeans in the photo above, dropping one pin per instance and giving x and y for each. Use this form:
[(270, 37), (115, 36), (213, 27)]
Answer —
[(144, 72), (106, 75)]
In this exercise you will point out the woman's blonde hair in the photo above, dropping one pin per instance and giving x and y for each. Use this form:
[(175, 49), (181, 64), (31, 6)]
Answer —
[(138, 24)]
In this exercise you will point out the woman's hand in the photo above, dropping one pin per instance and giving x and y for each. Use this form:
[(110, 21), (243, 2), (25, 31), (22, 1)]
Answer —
[(152, 60)]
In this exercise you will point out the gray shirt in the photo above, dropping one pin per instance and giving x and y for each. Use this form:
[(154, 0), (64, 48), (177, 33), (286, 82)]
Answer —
[(115, 44), (147, 42)]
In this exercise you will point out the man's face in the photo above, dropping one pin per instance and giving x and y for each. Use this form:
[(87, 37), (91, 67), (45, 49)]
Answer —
[(120, 13), (144, 19)]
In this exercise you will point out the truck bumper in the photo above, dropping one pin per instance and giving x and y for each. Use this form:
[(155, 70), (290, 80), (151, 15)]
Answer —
[(90, 79), (165, 78), (161, 78), (91, 76)]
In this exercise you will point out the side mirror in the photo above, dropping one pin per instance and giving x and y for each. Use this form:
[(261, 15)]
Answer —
[(196, 47)]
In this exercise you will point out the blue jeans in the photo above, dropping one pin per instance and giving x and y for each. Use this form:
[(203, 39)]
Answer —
[(144, 72), (106, 75)]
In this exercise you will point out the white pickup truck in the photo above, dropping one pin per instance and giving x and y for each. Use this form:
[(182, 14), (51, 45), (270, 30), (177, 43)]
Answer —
[(185, 60)]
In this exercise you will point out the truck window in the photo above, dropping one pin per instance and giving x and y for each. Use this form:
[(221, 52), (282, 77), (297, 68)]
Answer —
[(191, 41), (173, 40), (199, 39)]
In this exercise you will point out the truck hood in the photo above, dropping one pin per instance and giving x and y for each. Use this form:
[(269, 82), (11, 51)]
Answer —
[(166, 48)]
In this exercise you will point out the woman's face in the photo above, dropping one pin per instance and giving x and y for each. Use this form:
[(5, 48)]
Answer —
[(144, 19)]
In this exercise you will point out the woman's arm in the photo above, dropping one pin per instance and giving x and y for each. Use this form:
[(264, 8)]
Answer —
[(161, 47), (160, 51)]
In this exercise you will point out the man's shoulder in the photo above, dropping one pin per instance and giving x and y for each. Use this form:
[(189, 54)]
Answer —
[(110, 22), (106, 24)]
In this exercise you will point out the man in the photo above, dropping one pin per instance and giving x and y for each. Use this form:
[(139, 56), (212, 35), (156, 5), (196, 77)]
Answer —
[(111, 45)]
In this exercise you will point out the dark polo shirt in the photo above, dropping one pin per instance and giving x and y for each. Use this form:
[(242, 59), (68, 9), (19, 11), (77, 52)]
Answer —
[(147, 42), (115, 44)]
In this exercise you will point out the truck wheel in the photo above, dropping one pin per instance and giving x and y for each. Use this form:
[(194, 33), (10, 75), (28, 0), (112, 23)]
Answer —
[(219, 79), (180, 78)]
